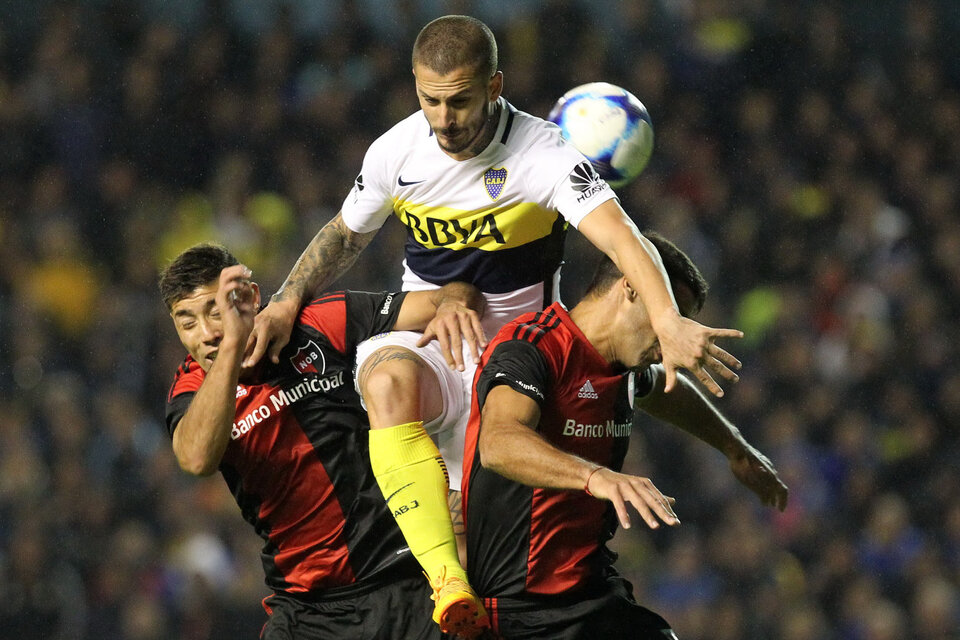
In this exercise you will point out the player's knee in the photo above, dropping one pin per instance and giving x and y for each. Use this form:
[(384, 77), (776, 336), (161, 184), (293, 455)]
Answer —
[(385, 382)]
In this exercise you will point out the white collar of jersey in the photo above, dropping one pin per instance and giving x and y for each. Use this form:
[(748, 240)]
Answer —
[(505, 110)]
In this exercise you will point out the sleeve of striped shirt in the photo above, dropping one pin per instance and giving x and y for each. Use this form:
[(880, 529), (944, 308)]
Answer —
[(519, 365), (369, 314), (185, 385)]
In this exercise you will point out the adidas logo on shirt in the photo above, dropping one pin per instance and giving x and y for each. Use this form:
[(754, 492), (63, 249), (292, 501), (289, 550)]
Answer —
[(586, 391)]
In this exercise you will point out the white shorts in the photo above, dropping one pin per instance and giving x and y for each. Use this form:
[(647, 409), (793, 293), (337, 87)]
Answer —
[(448, 430)]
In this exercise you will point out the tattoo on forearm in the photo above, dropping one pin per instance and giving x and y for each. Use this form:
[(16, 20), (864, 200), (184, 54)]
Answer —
[(329, 254), (456, 512), (383, 355)]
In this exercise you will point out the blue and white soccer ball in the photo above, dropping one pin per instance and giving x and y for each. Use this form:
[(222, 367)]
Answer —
[(608, 125)]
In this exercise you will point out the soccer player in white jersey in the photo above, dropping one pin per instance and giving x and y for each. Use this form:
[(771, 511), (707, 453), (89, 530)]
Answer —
[(487, 193)]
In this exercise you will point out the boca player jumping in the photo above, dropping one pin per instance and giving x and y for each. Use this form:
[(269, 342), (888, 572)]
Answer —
[(486, 192)]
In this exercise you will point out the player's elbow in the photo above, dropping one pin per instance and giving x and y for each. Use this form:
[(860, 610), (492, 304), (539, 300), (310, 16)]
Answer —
[(492, 453), (198, 465), (195, 460)]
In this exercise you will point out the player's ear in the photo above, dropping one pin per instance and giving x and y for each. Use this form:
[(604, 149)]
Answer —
[(495, 88), (628, 291), (256, 294)]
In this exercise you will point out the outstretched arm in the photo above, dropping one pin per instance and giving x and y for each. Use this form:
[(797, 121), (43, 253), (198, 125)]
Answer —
[(419, 308), (684, 343), (690, 410), (201, 436), (449, 315), (327, 257), (509, 445)]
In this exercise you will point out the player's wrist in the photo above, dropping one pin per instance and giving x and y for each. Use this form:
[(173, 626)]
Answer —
[(450, 305), (665, 318), (232, 346), (733, 445), (462, 295), (287, 299), (586, 482)]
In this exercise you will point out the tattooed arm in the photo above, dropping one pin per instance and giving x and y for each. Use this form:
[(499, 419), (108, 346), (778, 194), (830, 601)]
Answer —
[(329, 254)]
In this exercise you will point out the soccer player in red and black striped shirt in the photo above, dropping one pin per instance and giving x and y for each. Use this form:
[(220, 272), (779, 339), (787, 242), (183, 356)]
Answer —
[(549, 428), (290, 439)]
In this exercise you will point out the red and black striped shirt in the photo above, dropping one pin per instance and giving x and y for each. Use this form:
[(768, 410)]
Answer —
[(522, 540), (298, 459)]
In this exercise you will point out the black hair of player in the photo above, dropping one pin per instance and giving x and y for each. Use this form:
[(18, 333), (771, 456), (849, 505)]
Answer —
[(680, 269), (452, 42), (195, 267)]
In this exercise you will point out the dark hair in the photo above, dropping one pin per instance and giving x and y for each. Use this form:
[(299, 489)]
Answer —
[(679, 266), (196, 267), (451, 42)]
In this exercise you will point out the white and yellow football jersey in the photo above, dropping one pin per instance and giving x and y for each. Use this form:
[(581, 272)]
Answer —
[(496, 220)]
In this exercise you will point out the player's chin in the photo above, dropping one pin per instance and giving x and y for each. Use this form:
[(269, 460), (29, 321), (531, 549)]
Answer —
[(454, 144)]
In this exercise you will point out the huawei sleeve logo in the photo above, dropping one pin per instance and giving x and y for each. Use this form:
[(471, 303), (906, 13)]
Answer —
[(357, 188), (586, 180), (584, 176)]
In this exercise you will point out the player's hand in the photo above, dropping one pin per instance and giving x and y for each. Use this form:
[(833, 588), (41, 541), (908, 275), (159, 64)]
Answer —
[(236, 301), (621, 488), (271, 331), (686, 344), (452, 324), (755, 471)]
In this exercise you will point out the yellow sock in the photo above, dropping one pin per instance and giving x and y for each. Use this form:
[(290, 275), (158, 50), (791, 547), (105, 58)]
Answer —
[(413, 479)]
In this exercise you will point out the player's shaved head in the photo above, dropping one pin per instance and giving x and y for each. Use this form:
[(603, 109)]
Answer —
[(680, 269), (453, 42)]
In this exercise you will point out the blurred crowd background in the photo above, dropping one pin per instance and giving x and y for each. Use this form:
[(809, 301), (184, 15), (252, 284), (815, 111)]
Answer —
[(807, 157)]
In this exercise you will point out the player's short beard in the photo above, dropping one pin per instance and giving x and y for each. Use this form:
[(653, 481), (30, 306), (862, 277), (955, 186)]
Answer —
[(487, 129), (484, 134)]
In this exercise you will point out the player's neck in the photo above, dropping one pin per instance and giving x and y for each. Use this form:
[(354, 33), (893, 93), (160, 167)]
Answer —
[(592, 317)]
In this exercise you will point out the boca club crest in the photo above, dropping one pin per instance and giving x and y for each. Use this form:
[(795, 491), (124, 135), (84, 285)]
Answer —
[(309, 359), (493, 181)]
